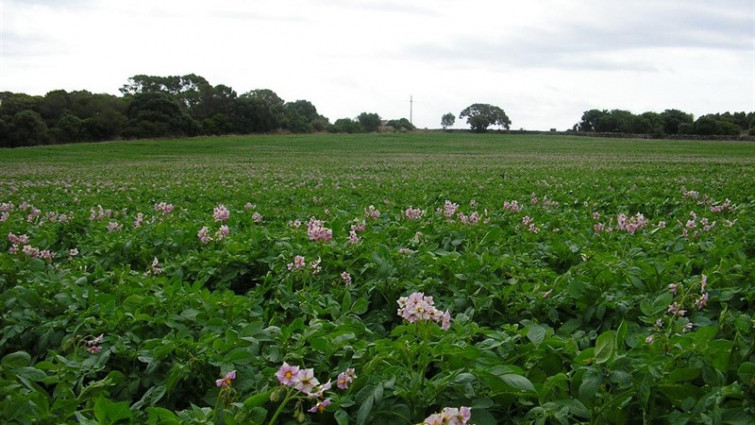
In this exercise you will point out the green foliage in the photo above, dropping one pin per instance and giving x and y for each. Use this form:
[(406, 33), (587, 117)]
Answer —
[(370, 122), (481, 116), (447, 120), (561, 312)]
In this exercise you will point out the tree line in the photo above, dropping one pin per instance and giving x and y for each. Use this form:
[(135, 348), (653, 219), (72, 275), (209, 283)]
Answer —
[(165, 106), (668, 122)]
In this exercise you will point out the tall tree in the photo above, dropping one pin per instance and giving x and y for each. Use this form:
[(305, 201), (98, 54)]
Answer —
[(447, 120), (673, 119), (480, 116), (370, 122)]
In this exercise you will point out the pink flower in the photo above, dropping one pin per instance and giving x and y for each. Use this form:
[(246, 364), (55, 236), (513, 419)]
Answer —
[(113, 226), (701, 302), (353, 238), (96, 349), (226, 380), (320, 406), (450, 416), (512, 206), (345, 378), (203, 235), (449, 208), (221, 213), (287, 374), (257, 217), (346, 277), (299, 262), (316, 231), (418, 307), (413, 213), (306, 381), (164, 208), (371, 212)]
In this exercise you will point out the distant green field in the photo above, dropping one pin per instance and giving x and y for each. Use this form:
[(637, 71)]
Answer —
[(573, 280)]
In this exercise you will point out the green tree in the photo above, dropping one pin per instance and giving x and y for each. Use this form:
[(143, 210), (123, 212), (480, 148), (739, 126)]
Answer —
[(301, 117), (673, 119), (345, 125), (258, 111), (156, 114), (480, 116), (590, 120), (370, 122), (447, 120), (648, 123), (402, 124), (28, 128)]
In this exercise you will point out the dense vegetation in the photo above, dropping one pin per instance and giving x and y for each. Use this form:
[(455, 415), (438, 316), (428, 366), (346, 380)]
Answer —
[(188, 105), (668, 122), (215, 280), (155, 106)]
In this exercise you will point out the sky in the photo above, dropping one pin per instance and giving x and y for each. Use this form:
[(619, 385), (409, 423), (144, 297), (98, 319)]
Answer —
[(543, 62)]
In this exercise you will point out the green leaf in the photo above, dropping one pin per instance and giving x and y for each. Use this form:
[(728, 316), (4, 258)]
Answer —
[(159, 416), (605, 347), (536, 334), (342, 418), (591, 381), (108, 412), (482, 417), (257, 399), (257, 414), (746, 372), (31, 373), (360, 306), (16, 360), (152, 396), (518, 382)]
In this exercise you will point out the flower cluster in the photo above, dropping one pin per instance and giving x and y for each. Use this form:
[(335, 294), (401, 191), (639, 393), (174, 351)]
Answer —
[(300, 263), (702, 302), (695, 226), (164, 208), (316, 231), (413, 213), (346, 277), (371, 212), (345, 378), (469, 220), (257, 217), (99, 213), (204, 236), (154, 268), (512, 206), (94, 344), (114, 226), (221, 213), (418, 307), (304, 381), (631, 224), (530, 223), (450, 416), (726, 205), (449, 208)]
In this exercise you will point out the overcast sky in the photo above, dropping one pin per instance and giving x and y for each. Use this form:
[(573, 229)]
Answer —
[(544, 62)]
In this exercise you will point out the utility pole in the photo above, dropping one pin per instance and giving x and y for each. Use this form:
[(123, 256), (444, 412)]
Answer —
[(411, 108)]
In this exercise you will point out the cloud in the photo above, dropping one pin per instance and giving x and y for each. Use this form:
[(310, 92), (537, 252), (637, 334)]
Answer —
[(607, 37)]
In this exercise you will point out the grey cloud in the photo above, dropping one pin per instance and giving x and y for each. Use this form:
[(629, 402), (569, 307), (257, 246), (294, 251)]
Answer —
[(574, 45)]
